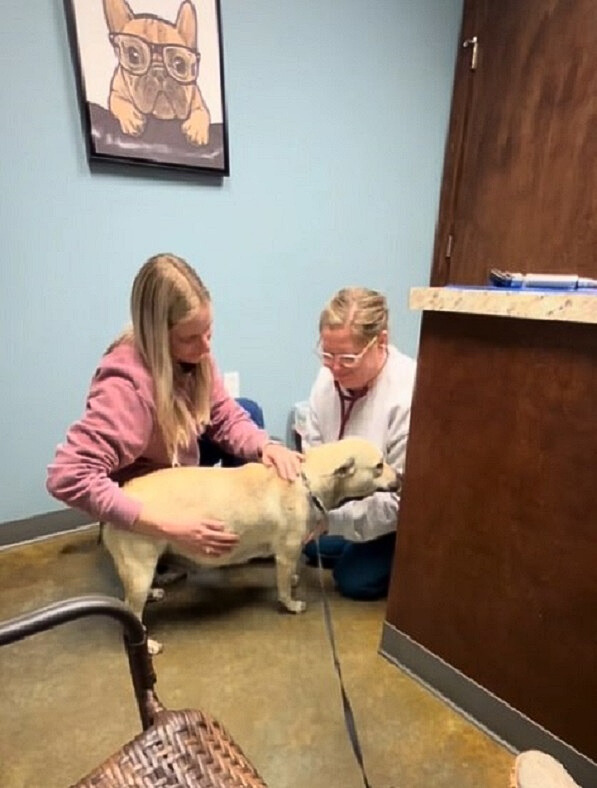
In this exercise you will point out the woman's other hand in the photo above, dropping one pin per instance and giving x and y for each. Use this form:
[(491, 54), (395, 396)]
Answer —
[(286, 462)]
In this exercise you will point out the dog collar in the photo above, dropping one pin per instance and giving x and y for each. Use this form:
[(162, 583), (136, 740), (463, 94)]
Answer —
[(315, 499)]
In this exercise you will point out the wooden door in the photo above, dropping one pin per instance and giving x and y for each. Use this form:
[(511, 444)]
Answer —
[(520, 178)]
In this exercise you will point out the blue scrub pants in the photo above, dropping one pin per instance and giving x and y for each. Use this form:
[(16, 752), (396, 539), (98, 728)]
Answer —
[(361, 570)]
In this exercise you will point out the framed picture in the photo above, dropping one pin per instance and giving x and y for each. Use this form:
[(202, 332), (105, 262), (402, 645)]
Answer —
[(151, 82)]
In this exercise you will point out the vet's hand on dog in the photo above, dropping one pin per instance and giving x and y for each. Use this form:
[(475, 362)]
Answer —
[(320, 529), (286, 462)]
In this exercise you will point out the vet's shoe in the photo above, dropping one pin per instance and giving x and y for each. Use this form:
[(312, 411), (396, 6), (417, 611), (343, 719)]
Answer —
[(168, 576), (534, 769)]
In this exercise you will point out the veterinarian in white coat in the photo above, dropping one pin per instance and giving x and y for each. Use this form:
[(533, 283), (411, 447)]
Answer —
[(364, 389), (155, 391)]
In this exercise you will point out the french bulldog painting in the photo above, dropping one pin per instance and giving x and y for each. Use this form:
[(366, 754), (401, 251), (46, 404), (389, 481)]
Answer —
[(156, 74)]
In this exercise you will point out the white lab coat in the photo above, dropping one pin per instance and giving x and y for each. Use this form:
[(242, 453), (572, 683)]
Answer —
[(381, 416)]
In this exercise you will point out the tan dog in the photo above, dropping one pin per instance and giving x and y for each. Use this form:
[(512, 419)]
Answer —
[(157, 70), (270, 515)]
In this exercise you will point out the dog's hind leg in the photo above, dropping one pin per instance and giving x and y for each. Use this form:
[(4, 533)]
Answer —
[(135, 558), (137, 577), (285, 577)]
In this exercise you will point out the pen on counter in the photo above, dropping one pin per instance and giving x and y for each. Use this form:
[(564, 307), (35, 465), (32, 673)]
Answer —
[(541, 281)]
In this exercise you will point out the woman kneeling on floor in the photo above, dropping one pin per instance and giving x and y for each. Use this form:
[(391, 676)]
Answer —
[(364, 389), (157, 389)]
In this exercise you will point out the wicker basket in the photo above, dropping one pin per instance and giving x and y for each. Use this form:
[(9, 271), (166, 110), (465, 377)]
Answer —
[(176, 748)]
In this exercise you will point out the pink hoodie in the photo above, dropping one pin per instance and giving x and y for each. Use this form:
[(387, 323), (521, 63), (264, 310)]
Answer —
[(118, 438)]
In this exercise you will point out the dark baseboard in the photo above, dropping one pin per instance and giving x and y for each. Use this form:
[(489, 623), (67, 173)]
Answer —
[(15, 532), (480, 706)]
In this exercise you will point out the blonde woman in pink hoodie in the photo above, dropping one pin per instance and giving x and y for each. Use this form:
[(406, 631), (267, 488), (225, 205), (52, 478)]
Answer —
[(157, 388)]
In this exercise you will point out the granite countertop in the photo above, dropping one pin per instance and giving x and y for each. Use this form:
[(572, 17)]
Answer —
[(574, 306)]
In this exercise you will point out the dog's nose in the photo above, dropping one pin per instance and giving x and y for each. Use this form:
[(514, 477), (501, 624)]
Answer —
[(396, 485), (159, 74)]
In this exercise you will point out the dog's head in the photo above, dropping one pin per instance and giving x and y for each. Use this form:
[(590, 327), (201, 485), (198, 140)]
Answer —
[(158, 60), (349, 469)]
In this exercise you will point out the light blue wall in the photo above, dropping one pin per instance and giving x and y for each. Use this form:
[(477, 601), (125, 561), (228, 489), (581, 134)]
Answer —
[(337, 119)]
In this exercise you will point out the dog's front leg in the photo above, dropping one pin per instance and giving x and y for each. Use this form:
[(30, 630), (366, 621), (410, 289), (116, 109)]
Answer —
[(196, 126), (286, 578), (131, 120)]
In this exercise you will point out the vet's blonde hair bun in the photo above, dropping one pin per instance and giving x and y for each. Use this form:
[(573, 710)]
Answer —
[(364, 311)]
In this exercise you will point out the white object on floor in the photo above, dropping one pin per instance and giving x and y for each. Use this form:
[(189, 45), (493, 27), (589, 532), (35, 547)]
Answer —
[(535, 769)]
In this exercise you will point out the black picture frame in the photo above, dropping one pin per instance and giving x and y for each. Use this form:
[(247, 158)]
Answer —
[(150, 85)]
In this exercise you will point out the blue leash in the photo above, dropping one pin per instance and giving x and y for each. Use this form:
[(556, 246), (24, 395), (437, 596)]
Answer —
[(349, 720)]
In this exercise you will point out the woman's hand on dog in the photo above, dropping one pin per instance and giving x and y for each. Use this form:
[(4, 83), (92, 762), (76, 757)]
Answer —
[(205, 536), (286, 462), (211, 537)]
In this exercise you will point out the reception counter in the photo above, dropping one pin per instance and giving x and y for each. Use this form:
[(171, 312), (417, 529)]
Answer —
[(559, 305), (493, 601)]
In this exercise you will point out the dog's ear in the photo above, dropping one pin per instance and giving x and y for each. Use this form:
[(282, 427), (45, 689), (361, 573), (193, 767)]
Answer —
[(346, 469), (117, 13), (186, 24)]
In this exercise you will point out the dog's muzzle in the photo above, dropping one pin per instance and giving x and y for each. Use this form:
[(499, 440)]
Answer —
[(396, 485)]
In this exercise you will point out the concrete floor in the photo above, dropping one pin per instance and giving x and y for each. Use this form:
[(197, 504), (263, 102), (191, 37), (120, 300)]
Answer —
[(67, 702)]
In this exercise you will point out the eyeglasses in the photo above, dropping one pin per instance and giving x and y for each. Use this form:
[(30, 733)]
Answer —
[(135, 55), (345, 360)]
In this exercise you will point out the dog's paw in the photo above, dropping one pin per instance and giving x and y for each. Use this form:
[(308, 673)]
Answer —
[(154, 647), (294, 605), (131, 121), (156, 594), (196, 128)]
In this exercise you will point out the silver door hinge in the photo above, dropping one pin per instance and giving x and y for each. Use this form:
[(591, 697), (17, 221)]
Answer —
[(449, 246), (474, 43)]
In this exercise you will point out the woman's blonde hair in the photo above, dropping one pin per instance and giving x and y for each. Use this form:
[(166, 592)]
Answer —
[(165, 291), (364, 311)]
